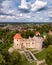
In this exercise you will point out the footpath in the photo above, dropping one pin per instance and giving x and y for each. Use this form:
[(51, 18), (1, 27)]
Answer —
[(31, 57)]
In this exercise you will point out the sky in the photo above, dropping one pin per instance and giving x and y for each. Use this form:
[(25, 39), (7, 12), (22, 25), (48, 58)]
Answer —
[(9, 12)]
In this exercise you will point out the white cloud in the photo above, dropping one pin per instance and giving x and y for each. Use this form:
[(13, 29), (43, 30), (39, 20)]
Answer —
[(20, 14), (2, 16), (10, 11), (10, 17), (7, 17), (9, 6)]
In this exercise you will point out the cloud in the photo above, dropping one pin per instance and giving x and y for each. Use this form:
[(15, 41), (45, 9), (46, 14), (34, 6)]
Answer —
[(1, 1), (9, 6), (9, 12), (7, 17)]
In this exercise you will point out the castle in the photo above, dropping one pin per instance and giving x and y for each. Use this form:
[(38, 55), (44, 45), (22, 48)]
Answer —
[(35, 42)]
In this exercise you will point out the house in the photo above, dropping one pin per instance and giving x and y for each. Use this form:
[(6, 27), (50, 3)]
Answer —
[(50, 32), (35, 42), (37, 33)]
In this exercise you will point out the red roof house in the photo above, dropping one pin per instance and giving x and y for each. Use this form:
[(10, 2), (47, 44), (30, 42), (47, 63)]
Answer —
[(17, 36)]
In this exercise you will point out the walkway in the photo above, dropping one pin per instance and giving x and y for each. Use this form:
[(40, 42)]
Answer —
[(30, 57)]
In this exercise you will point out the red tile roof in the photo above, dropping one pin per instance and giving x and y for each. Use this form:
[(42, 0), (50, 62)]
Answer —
[(17, 36)]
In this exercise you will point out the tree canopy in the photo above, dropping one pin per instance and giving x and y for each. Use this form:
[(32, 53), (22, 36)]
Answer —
[(49, 55)]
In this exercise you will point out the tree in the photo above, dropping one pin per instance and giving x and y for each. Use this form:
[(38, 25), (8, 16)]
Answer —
[(49, 55), (25, 34), (15, 58), (31, 34), (2, 60), (48, 41)]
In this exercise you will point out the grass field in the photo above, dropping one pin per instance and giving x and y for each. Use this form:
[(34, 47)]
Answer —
[(41, 55)]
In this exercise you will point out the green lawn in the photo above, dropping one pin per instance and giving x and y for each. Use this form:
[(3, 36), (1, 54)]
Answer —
[(41, 55), (30, 48), (35, 51)]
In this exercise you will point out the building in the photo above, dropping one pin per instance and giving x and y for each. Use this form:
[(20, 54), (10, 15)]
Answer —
[(35, 42), (50, 32), (37, 33)]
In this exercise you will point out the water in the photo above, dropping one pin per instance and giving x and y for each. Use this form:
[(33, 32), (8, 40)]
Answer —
[(11, 9)]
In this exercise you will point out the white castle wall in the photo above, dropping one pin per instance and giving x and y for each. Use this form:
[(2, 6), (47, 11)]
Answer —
[(35, 42)]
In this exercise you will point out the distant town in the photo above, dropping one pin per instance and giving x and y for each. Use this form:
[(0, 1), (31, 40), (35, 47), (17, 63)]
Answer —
[(25, 44)]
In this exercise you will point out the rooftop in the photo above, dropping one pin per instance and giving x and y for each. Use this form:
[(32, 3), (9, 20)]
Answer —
[(18, 36)]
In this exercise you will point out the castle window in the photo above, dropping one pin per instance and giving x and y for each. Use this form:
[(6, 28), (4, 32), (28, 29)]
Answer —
[(28, 44), (17, 40), (32, 42)]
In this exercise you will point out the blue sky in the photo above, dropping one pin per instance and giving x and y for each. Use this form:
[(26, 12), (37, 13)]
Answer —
[(9, 12)]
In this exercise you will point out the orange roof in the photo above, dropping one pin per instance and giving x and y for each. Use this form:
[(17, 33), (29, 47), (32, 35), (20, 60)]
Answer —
[(17, 36)]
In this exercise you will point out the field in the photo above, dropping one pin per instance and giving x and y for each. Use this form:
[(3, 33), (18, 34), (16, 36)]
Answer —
[(41, 55)]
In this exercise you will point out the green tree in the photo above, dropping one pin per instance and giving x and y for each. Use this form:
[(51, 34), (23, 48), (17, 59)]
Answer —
[(25, 34), (48, 41), (31, 33), (15, 58), (49, 55), (2, 60)]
